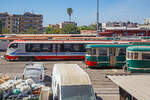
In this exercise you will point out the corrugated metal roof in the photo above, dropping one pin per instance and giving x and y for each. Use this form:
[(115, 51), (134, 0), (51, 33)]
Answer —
[(136, 85)]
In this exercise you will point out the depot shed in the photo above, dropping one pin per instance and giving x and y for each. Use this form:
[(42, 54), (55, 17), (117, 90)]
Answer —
[(132, 87)]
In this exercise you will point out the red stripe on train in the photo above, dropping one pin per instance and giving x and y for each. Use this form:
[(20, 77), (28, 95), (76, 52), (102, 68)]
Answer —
[(91, 63), (58, 57), (11, 57)]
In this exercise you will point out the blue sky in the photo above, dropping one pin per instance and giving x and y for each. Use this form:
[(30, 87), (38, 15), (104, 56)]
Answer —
[(84, 11)]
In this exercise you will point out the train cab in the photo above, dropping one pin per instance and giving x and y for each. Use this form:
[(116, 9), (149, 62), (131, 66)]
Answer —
[(10, 51), (105, 55)]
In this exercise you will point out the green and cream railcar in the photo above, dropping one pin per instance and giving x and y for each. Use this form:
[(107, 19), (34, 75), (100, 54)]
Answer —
[(138, 58), (106, 55)]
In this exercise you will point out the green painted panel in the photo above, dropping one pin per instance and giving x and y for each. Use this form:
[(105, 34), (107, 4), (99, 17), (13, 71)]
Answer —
[(121, 58), (137, 70), (105, 58), (91, 58), (138, 63)]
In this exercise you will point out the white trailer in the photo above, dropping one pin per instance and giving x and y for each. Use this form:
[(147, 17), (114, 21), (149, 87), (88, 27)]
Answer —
[(70, 82)]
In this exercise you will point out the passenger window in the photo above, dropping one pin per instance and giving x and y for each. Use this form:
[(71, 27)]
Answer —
[(122, 51), (135, 55), (76, 47), (46, 48), (89, 51), (146, 56), (94, 52), (38, 47), (103, 51), (67, 48), (131, 56), (14, 45)]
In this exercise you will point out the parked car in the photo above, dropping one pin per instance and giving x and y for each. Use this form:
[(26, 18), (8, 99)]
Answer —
[(34, 70)]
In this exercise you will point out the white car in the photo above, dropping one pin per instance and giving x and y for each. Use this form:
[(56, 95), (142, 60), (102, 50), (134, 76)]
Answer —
[(34, 70)]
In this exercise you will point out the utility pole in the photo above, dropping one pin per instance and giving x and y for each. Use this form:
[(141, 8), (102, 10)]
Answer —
[(97, 15)]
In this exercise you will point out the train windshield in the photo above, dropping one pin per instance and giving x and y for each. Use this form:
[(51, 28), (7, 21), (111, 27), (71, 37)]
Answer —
[(83, 92), (14, 45)]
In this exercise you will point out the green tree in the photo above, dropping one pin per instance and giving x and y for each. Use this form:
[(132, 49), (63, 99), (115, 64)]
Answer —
[(31, 31), (5, 31), (69, 12), (51, 30), (0, 27), (70, 29), (84, 27), (90, 27), (93, 27)]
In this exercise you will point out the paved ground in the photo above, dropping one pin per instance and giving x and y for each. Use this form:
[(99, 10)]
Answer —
[(105, 89)]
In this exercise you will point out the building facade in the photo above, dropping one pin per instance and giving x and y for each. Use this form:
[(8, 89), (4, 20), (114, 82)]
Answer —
[(62, 24), (22, 23), (147, 21), (119, 24), (53, 25)]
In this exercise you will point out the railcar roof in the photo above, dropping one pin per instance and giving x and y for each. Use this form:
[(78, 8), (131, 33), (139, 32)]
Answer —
[(72, 74), (108, 45), (139, 48), (60, 41)]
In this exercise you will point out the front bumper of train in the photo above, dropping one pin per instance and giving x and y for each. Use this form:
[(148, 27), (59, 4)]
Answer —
[(92, 63), (11, 57)]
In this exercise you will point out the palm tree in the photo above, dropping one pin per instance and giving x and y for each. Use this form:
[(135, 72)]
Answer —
[(69, 12)]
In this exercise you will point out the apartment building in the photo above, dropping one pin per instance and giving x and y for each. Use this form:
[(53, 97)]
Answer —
[(62, 24), (146, 21), (22, 23)]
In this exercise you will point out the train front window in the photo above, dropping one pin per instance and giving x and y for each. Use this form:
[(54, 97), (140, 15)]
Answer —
[(146, 56), (14, 45)]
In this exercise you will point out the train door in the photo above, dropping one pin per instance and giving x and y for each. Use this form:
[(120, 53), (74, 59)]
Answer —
[(112, 56)]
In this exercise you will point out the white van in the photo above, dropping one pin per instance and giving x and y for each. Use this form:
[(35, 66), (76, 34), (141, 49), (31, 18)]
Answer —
[(70, 82)]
